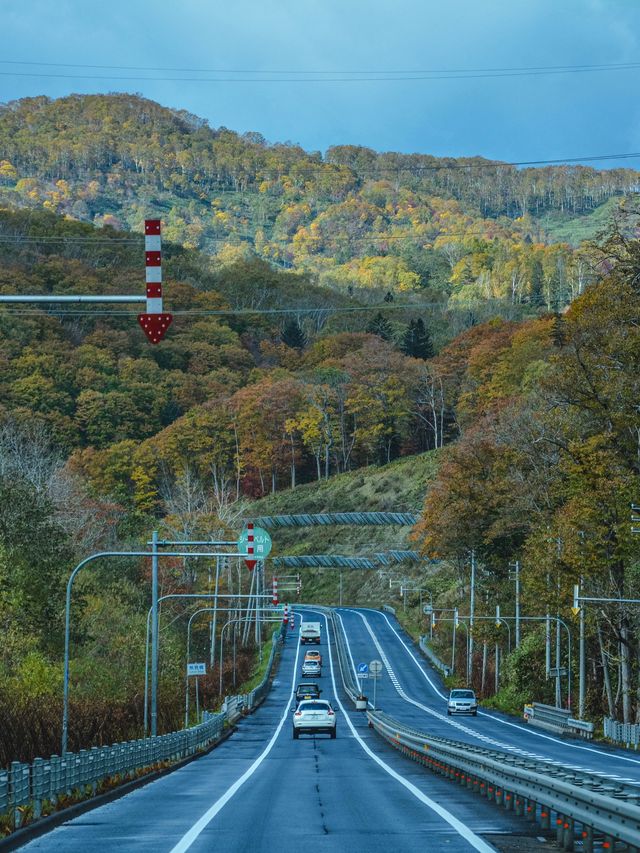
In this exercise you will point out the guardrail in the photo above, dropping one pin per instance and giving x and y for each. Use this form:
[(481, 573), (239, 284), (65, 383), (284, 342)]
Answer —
[(626, 733), (557, 720), (30, 785), (533, 789), (428, 652), (27, 787), (548, 717), (257, 695)]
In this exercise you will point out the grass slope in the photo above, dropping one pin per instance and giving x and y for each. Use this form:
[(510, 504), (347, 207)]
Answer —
[(564, 228), (397, 487)]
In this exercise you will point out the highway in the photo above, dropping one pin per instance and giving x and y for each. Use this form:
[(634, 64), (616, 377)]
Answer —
[(262, 791), (411, 691)]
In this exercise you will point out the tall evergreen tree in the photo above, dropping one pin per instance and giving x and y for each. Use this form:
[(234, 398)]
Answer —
[(293, 335), (416, 340), (380, 326), (536, 293)]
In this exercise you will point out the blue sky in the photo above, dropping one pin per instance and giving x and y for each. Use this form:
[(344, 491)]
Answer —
[(512, 118)]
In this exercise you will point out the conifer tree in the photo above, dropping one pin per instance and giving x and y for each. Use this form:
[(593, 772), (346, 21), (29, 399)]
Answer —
[(381, 327), (416, 340), (293, 335)]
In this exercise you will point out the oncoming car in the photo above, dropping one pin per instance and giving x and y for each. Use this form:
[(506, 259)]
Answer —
[(314, 716), (311, 668), (462, 701)]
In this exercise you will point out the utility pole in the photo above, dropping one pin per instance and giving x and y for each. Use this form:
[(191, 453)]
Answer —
[(516, 577), (453, 640), (212, 645), (472, 603)]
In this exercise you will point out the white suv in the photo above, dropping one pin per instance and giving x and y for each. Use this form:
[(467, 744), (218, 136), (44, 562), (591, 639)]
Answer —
[(312, 716), (462, 702)]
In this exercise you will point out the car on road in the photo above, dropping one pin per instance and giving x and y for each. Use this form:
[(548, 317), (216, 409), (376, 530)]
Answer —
[(307, 690), (313, 654), (314, 716), (311, 669), (462, 701)]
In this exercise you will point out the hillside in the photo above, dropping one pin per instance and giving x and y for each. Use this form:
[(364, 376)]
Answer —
[(450, 230), (396, 487)]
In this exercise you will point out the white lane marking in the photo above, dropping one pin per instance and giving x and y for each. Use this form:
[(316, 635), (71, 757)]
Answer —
[(468, 834), (189, 837), (471, 732), (515, 725)]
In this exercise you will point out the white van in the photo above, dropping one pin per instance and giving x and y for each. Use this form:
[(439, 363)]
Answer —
[(309, 632)]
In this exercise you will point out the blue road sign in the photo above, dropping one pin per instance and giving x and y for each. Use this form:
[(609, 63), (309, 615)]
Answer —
[(363, 669)]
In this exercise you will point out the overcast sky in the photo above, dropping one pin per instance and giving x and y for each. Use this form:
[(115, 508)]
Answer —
[(510, 118)]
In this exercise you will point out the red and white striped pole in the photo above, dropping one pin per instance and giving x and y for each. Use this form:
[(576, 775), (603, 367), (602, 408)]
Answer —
[(154, 322), (285, 618), (292, 620), (250, 560), (275, 591)]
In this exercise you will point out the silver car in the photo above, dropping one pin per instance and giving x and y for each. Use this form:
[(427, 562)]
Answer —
[(311, 669), (314, 716), (462, 701)]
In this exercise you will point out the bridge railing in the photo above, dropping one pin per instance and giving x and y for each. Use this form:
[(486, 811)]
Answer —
[(532, 788), (28, 787)]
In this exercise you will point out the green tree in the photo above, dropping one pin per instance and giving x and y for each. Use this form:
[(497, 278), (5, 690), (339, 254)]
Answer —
[(293, 335), (380, 326), (416, 341)]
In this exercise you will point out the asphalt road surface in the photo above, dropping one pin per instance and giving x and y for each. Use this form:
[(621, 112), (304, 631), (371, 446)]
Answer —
[(410, 690), (262, 791)]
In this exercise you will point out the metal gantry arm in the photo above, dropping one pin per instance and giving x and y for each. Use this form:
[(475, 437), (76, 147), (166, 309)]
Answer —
[(67, 620)]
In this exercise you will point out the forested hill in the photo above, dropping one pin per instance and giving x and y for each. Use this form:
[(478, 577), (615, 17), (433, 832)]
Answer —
[(461, 229)]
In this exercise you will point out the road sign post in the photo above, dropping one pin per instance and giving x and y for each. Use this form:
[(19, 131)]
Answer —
[(375, 668), (363, 672)]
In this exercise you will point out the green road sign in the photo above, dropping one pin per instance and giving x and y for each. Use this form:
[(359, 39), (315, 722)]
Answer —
[(261, 543)]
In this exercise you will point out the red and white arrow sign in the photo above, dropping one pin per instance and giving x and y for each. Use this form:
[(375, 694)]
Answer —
[(154, 321)]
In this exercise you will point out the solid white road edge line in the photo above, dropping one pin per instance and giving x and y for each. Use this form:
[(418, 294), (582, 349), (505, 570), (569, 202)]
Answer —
[(189, 837), (474, 840), (454, 723), (599, 752)]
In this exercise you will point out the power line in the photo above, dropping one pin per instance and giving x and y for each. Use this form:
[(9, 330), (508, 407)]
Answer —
[(386, 306), (587, 66), (317, 76)]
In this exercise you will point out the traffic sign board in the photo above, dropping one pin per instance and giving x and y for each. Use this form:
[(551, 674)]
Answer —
[(362, 670), (576, 610), (375, 667), (554, 672), (196, 669), (260, 546)]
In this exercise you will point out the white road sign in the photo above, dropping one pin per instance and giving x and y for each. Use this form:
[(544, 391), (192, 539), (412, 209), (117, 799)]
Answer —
[(196, 669)]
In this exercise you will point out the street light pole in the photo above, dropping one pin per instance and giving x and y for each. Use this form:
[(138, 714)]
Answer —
[(67, 621), (154, 633)]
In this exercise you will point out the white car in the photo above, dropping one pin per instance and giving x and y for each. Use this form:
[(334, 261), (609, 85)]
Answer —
[(313, 716), (462, 701), (311, 669)]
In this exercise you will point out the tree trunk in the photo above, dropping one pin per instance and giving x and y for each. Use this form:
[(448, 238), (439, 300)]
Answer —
[(605, 673), (625, 670)]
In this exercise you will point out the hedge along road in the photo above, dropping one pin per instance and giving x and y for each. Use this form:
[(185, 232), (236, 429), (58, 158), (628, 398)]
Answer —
[(413, 692), (261, 790)]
